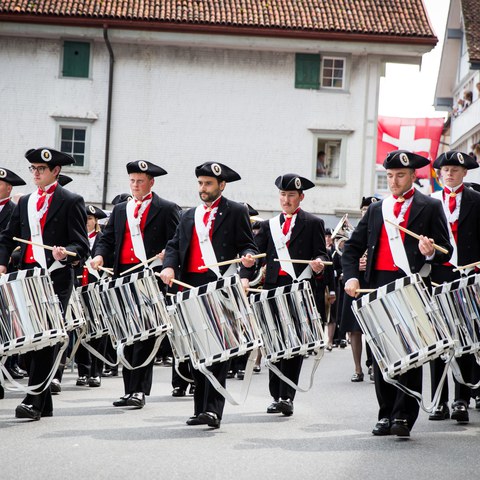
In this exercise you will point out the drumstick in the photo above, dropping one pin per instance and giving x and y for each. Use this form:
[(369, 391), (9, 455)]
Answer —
[(435, 284), (229, 262), (178, 282), (414, 235), (364, 290), (46, 247), (291, 260), (464, 267), (255, 290), (106, 270), (142, 264)]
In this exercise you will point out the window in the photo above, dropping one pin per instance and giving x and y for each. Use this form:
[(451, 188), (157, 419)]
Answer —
[(73, 141), (76, 59), (330, 151), (333, 72), (381, 184), (307, 71)]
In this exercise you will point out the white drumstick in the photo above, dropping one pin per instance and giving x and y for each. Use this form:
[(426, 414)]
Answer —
[(139, 265), (229, 262), (45, 247), (178, 282), (293, 260)]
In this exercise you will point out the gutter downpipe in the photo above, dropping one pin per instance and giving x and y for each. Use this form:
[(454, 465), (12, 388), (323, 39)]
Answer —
[(109, 116)]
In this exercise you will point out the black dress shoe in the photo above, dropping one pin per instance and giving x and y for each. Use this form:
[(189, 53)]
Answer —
[(477, 403), (382, 427), (178, 392), (16, 372), (27, 411), (400, 428), (273, 407), (137, 400), (357, 377), (285, 407), (191, 389), (230, 374), (47, 414), (94, 381), (442, 412), (257, 368), (192, 421), (82, 381), (240, 374), (122, 401), (209, 418), (460, 412), (55, 386)]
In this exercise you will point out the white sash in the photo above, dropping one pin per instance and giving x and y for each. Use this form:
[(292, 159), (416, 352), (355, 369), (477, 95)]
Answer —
[(206, 247), (34, 218), (454, 258), (91, 271), (136, 233), (394, 237), (280, 241)]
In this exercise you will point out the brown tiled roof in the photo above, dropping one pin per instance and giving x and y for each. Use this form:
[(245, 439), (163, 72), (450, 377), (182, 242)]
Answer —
[(386, 18), (471, 18)]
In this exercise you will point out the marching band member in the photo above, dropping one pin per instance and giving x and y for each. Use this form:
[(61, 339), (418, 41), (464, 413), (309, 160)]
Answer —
[(88, 365), (136, 231), (462, 209), (391, 254), (8, 180), (294, 234), (50, 216), (216, 230)]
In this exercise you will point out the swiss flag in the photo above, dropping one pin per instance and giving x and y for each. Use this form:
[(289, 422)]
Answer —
[(418, 135)]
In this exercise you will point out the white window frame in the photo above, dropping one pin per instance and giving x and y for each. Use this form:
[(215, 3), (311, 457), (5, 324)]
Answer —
[(344, 72), (333, 136), (380, 179)]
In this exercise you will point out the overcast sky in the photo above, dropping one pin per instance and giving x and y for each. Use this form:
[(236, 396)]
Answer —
[(407, 92)]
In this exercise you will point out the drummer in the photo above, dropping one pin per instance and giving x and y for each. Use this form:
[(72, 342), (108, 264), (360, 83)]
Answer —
[(89, 366), (225, 226), (462, 209), (136, 231), (303, 234), (56, 217), (391, 256), (8, 180)]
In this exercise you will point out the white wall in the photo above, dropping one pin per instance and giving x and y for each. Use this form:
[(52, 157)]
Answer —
[(179, 107)]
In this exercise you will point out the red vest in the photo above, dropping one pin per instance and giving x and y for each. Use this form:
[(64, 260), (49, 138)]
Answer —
[(127, 255)]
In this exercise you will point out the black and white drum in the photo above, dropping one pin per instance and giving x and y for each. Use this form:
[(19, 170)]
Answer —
[(30, 313), (403, 326), (74, 315), (290, 326), (135, 311), (459, 302)]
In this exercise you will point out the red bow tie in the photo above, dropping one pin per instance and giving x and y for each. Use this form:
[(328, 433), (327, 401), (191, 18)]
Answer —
[(139, 204), (92, 234), (43, 196), (452, 197), (4, 202), (397, 206)]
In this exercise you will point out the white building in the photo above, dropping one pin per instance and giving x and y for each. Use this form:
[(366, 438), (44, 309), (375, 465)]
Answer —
[(459, 78), (261, 86)]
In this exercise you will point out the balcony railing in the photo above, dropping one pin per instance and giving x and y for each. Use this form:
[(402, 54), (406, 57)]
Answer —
[(465, 122)]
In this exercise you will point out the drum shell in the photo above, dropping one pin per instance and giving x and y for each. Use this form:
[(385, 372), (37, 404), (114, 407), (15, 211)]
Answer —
[(217, 322), (289, 321), (30, 312)]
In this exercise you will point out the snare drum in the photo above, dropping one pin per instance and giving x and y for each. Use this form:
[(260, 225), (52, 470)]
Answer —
[(97, 324), (459, 301), (74, 316), (30, 312), (214, 322), (403, 326), (289, 321), (135, 308)]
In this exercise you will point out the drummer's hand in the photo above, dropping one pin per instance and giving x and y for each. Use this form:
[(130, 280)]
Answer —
[(351, 287), (317, 265), (425, 245), (96, 262), (161, 255), (248, 261), (362, 264), (245, 283), (331, 298), (167, 275), (3, 269), (59, 253)]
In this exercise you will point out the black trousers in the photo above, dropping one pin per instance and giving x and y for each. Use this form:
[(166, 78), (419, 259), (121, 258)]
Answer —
[(89, 365), (40, 362), (206, 398), (393, 403), (291, 367)]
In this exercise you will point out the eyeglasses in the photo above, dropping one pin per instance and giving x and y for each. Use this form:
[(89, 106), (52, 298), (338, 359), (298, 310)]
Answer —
[(37, 169)]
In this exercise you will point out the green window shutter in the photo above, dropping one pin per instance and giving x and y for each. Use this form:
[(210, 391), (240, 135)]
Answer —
[(307, 70), (76, 59)]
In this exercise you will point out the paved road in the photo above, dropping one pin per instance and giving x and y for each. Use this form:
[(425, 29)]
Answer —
[(328, 437)]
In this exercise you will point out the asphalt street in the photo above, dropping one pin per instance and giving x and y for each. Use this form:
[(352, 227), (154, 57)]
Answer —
[(328, 437)]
